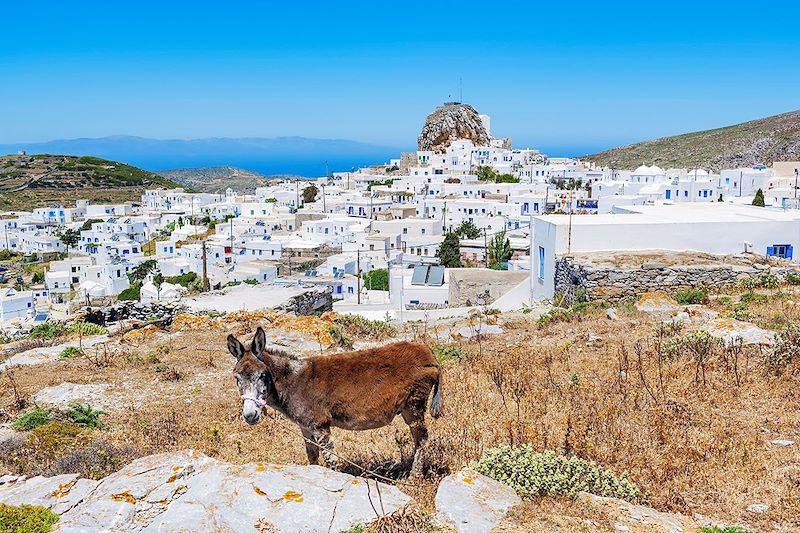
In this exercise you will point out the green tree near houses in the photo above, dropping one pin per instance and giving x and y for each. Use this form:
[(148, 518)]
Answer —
[(69, 237), (758, 199), (449, 251), (310, 194), (467, 230), (376, 279), (499, 250), (141, 270)]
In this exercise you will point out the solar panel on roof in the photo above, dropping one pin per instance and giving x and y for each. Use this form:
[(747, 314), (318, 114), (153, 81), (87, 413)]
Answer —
[(420, 275), (436, 276)]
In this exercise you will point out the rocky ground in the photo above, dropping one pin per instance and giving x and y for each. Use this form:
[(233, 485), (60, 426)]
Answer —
[(708, 436)]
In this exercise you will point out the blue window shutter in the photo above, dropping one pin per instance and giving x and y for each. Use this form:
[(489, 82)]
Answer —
[(770, 250), (789, 252)]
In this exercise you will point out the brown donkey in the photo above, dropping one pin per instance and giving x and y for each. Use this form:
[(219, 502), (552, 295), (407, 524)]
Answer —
[(358, 390)]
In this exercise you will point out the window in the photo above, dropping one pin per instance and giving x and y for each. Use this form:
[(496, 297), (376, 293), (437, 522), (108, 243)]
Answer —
[(780, 250), (541, 263)]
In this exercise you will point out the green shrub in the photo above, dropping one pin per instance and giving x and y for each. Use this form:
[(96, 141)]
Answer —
[(693, 296), (48, 330), (750, 297), (26, 519), (785, 350), (132, 293), (376, 279), (87, 328), (340, 337), (568, 314), (768, 280), (358, 326), (741, 311), (792, 278), (534, 474), (447, 352), (69, 352), (724, 529), (698, 344), (183, 280), (84, 415), (33, 419)]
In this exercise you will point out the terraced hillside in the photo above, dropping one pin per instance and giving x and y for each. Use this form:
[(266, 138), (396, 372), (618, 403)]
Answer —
[(28, 181), (217, 179), (762, 141)]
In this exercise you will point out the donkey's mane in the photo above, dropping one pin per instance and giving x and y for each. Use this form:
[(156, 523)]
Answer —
[(278, 352)]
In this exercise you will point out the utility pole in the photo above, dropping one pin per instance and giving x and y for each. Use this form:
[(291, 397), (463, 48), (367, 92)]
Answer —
[(485, 250), (569, 231), (324, 209), (230, 221), (358, 276), (297, 194), (205, 268), (326, 169)]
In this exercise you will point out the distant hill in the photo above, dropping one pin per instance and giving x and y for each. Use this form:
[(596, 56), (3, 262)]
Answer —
[(217, 179), (280, 155), (28, 181), (762, 141)]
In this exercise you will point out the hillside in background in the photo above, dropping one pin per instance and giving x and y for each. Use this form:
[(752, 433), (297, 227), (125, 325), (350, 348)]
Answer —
[(762, 141), (280, 155), (28, 181), (217, 179)]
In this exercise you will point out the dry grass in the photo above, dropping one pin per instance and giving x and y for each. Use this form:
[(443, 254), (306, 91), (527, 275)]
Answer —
[(692, 447)]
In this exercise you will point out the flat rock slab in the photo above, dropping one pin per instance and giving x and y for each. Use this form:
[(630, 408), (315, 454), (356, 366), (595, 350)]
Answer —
[(58, 493), (47, 354), (639, 518), (96, 395), (657, 302), (731, 330), (188, 491), (473, 503)]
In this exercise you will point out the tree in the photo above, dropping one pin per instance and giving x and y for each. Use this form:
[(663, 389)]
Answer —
[(499, 249), (758, 199), (376, 280), (467, 230), (310, 194), (141, 270), (449, 251), (180, 222), (485, 173), (69, 237), (720, 198), (158, 280)]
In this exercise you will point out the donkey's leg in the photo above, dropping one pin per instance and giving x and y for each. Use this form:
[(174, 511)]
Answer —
[(312, 447), (323, 437), (414, 416)]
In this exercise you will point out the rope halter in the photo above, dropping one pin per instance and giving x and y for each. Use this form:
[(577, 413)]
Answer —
[(258, 401)]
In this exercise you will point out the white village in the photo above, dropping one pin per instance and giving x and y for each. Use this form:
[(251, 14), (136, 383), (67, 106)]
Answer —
[(376, 238)]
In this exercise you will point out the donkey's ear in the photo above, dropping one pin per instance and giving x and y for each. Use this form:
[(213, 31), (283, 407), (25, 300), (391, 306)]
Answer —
[(235, 347), (259, 344)]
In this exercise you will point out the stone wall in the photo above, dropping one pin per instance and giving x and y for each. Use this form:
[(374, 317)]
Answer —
[(311, 301), (611, 283), (480, 286)]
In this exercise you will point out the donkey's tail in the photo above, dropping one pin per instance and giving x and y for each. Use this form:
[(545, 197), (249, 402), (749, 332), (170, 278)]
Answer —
[(437, 407)]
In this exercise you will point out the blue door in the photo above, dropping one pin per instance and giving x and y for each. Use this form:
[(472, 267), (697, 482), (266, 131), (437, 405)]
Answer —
[(669, 194)]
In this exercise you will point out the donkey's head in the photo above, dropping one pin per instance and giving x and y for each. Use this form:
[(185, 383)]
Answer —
[(252, 375)]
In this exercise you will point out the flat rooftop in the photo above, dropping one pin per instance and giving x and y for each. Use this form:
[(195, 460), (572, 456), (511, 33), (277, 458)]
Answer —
[(679, 213)]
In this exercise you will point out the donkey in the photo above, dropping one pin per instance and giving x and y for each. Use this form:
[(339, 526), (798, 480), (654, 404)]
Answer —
[(357, 390)]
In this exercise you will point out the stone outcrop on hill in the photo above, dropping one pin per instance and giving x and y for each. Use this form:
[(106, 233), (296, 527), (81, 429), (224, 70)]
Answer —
[(450, 122)]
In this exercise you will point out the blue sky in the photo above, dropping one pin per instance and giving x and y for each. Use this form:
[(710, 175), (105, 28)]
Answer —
[(565, 76)]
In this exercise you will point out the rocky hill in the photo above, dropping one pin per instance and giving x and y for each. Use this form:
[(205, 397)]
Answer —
[(762, 141), (28, 181), (450, 122), (217, 179)]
